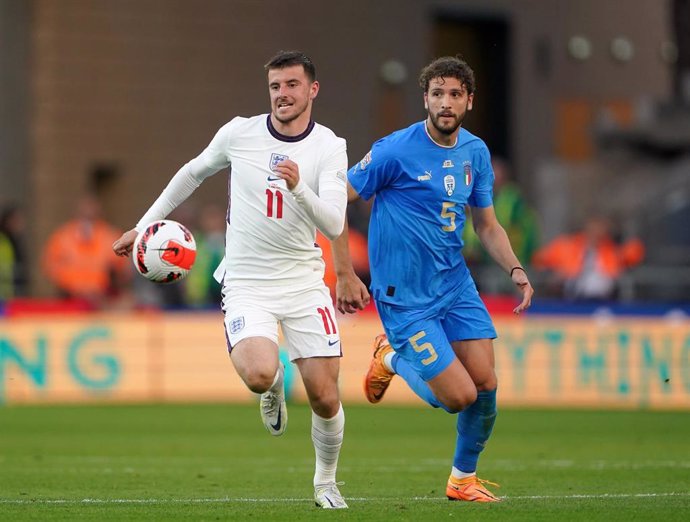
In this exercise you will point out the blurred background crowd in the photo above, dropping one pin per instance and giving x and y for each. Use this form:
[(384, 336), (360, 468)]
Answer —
[(586, 112)]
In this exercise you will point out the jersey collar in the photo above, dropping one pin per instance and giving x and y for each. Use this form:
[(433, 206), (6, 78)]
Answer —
[(426, 131), (290, 139)]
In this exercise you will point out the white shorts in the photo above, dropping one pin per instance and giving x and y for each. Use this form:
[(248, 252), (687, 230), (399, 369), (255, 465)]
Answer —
[(306, 317)]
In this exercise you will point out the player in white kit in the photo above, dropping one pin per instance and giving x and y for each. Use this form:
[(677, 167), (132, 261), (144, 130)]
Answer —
[(288, 177)]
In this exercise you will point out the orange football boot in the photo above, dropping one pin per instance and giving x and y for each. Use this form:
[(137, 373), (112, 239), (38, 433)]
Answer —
[(470, 489), (378, 377)]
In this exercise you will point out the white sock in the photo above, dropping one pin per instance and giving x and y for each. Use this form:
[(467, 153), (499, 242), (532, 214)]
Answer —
[(388, 361), (456, 473), (327, 436), (275, 379)]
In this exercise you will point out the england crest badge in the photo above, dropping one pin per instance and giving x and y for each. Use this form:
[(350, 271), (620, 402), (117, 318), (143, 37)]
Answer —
[(275, 159), (236, 324)]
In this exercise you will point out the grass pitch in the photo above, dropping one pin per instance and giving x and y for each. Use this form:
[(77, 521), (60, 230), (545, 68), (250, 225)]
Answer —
[(216, 462)]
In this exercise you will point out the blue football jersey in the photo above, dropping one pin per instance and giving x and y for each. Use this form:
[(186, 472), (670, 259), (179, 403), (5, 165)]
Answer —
[(421, 189)]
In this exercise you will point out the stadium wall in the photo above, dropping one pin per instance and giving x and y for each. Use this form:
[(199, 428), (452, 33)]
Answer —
[(141, 87), (556, 361)]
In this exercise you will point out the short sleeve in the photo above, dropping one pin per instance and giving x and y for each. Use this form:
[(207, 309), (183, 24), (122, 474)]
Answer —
[(373, 172), (483, 188)]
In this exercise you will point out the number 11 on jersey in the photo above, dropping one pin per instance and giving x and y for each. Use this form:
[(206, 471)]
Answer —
[(278, 197)]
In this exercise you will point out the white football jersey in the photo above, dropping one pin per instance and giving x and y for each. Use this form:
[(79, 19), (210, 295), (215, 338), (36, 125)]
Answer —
[(270, 238)]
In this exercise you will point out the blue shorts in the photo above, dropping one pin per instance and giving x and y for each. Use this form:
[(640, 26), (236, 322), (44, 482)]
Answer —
[(422, 336)]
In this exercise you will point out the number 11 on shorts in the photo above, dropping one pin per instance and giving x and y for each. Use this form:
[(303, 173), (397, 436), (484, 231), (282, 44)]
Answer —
[(328, 322)]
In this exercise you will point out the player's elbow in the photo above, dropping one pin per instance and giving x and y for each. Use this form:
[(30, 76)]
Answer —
[(486, 230), (333, 232)]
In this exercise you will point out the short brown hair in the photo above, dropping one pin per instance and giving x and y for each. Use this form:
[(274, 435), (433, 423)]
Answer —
[(448, 67), (284, 59)]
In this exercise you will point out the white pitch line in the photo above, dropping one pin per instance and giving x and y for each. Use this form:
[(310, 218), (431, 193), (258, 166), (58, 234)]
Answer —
[(230, 500)]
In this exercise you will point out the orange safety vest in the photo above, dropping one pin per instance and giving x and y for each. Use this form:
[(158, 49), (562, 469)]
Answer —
[(80, 264), (566, 254)]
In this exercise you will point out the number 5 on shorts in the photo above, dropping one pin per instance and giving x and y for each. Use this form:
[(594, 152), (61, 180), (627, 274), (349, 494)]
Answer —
[(424, 347)]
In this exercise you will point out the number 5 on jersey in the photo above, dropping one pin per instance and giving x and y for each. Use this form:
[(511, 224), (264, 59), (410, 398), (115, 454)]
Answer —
[(447, 213), (274, 204)]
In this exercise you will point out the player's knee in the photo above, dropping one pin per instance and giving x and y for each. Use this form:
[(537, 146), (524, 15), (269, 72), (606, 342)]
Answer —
[(325, 405), (460, 400), (259, 380), (490, 382)]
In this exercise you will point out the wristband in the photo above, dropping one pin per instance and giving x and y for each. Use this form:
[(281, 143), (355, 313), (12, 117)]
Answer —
[(517, 268)]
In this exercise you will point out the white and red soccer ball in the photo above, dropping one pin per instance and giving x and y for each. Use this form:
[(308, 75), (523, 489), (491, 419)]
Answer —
[(164, 251)]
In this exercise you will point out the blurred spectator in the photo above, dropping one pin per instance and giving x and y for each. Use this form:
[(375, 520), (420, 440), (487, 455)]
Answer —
[(587, 264), (13, 266), (201, 288), (513, 213), (358, 253), (79, 260)]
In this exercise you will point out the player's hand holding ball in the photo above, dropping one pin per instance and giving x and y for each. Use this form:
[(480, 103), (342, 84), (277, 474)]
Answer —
[(123, 246), (164, 251)]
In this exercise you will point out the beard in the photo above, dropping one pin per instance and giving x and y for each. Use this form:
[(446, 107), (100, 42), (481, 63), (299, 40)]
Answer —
[(447, 129), (298, 111)]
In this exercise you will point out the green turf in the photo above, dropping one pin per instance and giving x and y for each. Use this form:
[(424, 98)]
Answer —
[(216, 462)]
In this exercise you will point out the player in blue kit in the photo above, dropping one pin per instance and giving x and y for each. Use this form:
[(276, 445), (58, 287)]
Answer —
[(438, 331)]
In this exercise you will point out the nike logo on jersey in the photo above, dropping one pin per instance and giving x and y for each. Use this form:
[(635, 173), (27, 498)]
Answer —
[(271, 177), (276, 426), (333, 343)]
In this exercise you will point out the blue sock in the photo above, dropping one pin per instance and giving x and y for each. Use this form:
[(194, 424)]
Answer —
[(414, 381), (474, 428)]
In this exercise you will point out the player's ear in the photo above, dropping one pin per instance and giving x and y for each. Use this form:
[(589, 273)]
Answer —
[(470, 99), (313, 90), (426, 101)]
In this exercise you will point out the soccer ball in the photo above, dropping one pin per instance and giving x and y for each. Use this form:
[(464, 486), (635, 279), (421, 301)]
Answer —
[(164, 251)]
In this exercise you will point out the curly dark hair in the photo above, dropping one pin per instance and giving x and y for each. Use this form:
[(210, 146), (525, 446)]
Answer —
[(448, 67), (284, 59)]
